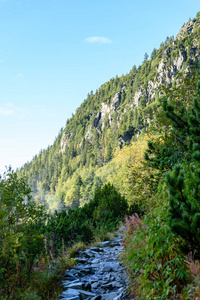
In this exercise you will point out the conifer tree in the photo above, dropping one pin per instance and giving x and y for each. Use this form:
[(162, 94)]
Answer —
[(179, 154), (184, 182)]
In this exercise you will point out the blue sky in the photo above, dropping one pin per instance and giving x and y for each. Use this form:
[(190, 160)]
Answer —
[(53, 52)]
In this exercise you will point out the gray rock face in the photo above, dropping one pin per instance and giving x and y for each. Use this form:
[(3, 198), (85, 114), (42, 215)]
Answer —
[(101, 116), (66, 137), (187, 28), (98, 275), (107, 110), (115, 102)]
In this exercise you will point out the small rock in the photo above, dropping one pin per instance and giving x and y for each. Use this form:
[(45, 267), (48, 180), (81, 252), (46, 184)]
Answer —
[(108, 286), (76, 286), (96, 298), (81, 260), (105, 244), (84, 294), (71, 298), (69, 276), (109, 296), (95, 285), (96, 249), (106, 269)]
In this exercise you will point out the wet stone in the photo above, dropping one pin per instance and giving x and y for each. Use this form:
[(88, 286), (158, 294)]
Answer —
[(99, 275), (95, 285), (96, 297), (81, 260), (96, 249)]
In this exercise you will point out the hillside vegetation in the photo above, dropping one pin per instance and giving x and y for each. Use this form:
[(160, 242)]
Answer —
[(132, 149), (81, 158)]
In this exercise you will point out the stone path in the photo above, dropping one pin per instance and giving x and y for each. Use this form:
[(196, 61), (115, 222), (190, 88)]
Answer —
[(98, 275)]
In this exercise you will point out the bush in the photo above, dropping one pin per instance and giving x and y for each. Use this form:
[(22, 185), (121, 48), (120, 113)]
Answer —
[(111, 206), (102, 214), (157, 268), (21, 241)]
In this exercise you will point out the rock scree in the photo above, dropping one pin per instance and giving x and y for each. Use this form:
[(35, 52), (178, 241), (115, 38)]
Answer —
[(98, 275)]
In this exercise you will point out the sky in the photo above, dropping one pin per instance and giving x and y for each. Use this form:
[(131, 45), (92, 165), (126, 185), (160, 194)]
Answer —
[(54, 52)]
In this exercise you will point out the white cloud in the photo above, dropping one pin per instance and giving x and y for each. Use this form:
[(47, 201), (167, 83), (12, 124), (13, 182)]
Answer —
[(6, 111), (20, 75), (9, 109), (98, 39), (9, 104), (22, 113)]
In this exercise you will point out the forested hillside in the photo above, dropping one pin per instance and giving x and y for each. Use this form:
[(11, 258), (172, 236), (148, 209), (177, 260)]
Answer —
[(81, 158)]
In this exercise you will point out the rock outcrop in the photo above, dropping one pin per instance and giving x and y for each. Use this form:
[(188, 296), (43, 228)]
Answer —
[(107, 111), (99, 275), (186, 29), (65, 140)]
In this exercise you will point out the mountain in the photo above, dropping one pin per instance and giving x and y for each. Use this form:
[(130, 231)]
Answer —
[(81, 158)]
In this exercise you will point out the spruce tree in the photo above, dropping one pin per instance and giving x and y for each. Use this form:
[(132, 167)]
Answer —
[(184, 182), (179, 155)]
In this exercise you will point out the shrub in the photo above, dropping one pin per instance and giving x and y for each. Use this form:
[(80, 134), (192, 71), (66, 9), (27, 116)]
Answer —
[(157, 268), (21, 240), (111, 206)]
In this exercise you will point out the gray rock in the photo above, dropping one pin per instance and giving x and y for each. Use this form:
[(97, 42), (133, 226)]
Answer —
[(85, 294), (71, 292), (96, 297), (89, 253), (107, 286), (95, 261), (111, 266), (81, 260), (96, 249), (95, 285), (105, 244), (71, 298), (119, 297), (76, 286), (85, 268), (109, 296), (66, 283), (95, 266), (69, 276), (106, 268)]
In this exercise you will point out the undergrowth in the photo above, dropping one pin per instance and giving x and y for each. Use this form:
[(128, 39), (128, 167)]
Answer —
[(156, 267)]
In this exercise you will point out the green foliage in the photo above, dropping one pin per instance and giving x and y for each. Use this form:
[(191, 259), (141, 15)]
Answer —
[(183, 183), (111, 206), (171, 115), (82, 223), (156, 266), (30, 239), (21, 240), (156, 248), (184, 212)]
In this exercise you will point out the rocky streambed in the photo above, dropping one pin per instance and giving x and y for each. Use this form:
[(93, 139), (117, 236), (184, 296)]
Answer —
[(98, 275)]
